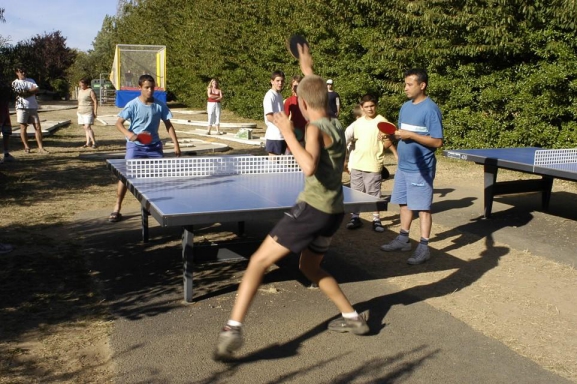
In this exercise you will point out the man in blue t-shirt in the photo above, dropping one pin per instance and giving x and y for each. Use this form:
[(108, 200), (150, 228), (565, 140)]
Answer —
[(420, 133)]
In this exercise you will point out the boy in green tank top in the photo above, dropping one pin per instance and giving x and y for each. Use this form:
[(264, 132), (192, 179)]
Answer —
[(308, 228)]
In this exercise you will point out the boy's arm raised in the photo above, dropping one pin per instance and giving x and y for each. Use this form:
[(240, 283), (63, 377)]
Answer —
[(305, 59)]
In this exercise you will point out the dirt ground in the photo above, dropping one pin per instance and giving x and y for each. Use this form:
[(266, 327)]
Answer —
[(54, 326)]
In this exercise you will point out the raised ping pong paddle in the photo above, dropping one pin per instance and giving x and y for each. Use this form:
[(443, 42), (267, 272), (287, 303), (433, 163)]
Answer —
[(386, 127), (144, 138), (293, 43)]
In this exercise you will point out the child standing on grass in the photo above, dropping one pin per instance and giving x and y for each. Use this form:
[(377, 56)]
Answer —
[(144, 113), (308, 228)]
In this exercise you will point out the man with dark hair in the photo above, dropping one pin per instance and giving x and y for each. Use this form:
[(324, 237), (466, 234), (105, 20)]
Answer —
[(334, 100), (273, 103), (420, 133)]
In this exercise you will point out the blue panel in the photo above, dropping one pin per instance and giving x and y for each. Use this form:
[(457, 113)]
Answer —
[(124, 96)]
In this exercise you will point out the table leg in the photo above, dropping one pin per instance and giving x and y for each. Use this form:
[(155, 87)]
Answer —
[(188, 260), (241, 228), (490, 181), (144, 218), (546, 192)]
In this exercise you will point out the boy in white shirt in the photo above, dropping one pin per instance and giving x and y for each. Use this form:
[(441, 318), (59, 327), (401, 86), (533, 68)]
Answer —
[(273, 103)]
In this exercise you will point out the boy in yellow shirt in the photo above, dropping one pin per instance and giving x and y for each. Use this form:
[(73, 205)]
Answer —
[(367, 157)]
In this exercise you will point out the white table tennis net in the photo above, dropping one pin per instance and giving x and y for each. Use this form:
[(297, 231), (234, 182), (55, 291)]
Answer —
[(556, 158), (210, 166)]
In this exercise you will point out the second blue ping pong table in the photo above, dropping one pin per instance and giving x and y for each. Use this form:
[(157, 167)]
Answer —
[(547, 163)]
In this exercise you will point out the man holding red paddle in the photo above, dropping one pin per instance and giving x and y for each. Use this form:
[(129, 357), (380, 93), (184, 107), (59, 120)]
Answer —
[(420, 133), (142, 140)]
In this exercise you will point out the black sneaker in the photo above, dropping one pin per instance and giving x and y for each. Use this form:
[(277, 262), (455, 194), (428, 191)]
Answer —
[(229, 340), (358, 325), (377, 226), (8, 158), (354, 223)]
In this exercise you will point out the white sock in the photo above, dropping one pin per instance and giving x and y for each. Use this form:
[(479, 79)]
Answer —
[(350, 315), (376, 217), (233, 323)]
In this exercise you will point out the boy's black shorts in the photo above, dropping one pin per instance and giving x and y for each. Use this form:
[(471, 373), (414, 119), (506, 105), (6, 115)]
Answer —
[(277, 147), (304, 226)]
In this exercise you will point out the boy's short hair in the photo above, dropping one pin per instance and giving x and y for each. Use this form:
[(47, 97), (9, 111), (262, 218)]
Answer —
[(276, 74), (421, 74), (357, 110), (313, 90), (144, 78), (367, 98), (296, 78)]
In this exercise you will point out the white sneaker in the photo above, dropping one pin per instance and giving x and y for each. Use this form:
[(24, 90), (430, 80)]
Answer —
[(229, 340)]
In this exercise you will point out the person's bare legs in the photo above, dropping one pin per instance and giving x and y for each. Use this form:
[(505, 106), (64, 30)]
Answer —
[(230, 338), (6, 143), (38, 135), (406, 216), (426, 223), (266, 255), (120, 193), (24, 136), (310, 265), (89, 135)]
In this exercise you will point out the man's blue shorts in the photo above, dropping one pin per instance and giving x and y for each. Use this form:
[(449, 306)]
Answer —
[(150, 151), (413, 189)]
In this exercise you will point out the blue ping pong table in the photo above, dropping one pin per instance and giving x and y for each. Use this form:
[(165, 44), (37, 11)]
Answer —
[(549, 164), (217, 198)]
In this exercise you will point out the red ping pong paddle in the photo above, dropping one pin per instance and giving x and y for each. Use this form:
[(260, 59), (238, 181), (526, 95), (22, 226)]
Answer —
[(293, 43), (144, 138), (386, 127)]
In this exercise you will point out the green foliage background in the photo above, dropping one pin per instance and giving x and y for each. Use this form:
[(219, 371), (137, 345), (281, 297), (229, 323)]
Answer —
[(504, 72)]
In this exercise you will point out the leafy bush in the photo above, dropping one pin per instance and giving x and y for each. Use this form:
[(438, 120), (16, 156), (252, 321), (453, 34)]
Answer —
[(504, 73)]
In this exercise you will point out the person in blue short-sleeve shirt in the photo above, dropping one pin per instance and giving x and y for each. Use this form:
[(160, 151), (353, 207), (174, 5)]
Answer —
[(144, 113), (420, 133)]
